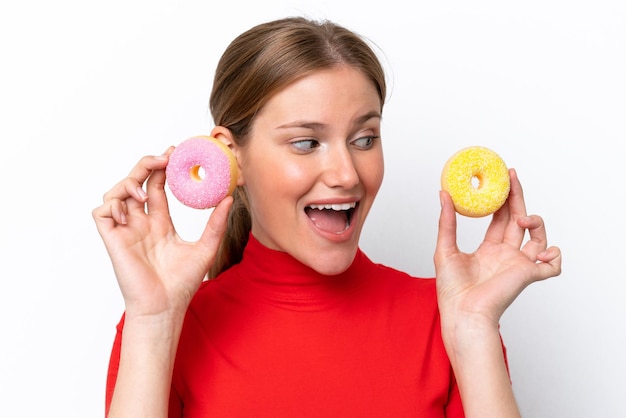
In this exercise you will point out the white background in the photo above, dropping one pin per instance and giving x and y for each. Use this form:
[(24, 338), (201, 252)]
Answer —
[(87, 88)]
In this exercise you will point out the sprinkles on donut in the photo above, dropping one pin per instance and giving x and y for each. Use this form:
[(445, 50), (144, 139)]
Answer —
[(477, 180), (201, 172)]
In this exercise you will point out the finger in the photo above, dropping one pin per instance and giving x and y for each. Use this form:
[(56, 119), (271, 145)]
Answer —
[(130, 189), (497, 226), (503, 227), (131, 186), (155, 187), (551, 255), (152, 171), (513, 234), (147, 164), (538, 241), (550, 262), (110, 214), (446, 236), (216, 226)]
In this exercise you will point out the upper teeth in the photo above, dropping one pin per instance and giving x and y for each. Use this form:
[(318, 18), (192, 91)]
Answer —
[(335, 206)]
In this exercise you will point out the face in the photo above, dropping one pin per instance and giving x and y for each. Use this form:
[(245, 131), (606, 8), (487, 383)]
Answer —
[(313, 166)]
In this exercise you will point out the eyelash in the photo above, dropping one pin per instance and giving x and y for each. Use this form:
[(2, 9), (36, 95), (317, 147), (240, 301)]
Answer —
[(370, 141), (313, 143)]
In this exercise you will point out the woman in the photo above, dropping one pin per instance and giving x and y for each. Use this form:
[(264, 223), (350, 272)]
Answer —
[(296, 320)]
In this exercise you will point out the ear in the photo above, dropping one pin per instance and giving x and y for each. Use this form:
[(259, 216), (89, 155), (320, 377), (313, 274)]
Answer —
[(224, 135)]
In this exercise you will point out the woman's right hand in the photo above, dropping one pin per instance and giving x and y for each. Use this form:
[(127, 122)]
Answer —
[(157, 271)]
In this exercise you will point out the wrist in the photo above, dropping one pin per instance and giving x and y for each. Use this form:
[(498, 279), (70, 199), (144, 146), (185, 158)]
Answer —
[(164, 324), (477, 357), (470, 333), (148, 352)]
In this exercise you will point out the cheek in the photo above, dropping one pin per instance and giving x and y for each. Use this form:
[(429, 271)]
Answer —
[(372, 173), (290, 177), (271, 179), (291, 171)]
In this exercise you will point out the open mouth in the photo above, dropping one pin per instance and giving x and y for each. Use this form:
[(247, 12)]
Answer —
[(334, 218)]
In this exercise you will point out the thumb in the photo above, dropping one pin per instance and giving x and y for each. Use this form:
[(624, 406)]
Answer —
[(216, 226), (446, 236)]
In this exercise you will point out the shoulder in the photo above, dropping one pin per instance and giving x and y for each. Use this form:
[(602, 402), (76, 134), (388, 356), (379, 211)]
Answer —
[(395, 276), (211, 297), (399, 286)]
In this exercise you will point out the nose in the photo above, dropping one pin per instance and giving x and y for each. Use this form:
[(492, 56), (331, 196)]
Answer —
[(340, 170)]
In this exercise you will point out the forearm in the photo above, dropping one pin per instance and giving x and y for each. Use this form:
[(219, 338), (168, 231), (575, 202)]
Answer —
[(144, 376), (477, 358)]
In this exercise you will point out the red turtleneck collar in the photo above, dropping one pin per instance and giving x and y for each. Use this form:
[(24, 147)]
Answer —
[(278, 277)]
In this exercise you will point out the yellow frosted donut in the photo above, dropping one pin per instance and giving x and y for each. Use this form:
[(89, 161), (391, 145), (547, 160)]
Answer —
[(477, 180)]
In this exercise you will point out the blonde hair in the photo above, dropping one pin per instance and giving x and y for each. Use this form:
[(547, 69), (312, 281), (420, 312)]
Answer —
[(259, 63)]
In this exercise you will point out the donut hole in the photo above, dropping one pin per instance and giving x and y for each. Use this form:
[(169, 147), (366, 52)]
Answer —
[(476, 180), (197, 173)]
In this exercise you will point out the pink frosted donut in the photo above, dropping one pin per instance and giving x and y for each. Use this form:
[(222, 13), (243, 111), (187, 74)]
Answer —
[(184, 177)]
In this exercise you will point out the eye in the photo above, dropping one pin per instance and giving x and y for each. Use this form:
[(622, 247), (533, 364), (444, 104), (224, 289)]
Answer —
[(305, 145), (365, 142)]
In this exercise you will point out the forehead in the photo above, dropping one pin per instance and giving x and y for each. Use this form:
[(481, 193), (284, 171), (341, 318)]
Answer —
[(343, 91)]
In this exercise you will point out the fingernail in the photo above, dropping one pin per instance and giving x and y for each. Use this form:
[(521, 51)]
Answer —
[(142, 194)]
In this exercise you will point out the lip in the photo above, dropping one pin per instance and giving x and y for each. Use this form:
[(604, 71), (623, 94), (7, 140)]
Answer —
[(346, 234), (334, 200)]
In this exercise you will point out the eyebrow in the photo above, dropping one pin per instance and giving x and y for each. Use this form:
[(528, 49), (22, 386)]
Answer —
[(320, 126)]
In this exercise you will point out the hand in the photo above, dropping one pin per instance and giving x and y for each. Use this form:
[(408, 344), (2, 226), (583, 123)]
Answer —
[(156, 270), (480, 286)]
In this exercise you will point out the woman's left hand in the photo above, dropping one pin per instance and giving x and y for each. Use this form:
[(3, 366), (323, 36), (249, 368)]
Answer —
[(480, 286)]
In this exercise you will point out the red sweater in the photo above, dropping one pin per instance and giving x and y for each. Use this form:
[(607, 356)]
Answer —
[(272, 338)]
